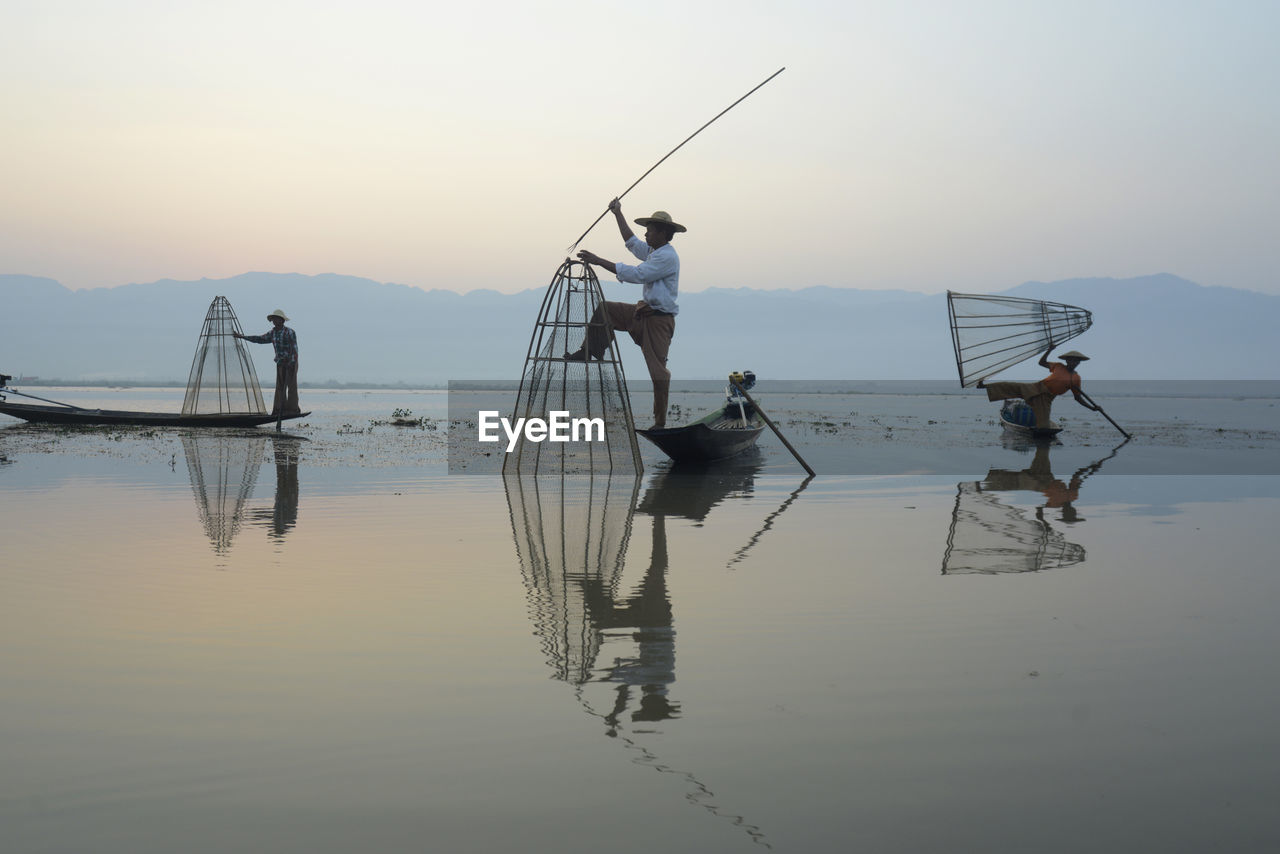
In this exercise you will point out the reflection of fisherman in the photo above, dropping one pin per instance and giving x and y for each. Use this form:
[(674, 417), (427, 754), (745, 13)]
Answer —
[(284, 513), (647, 614), (652, 321), (1039, 396), (1038, 477), (285, 341)]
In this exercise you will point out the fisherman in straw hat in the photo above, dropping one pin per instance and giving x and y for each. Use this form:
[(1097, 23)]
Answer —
[(1039, 396), (285, 342), (652, 321)]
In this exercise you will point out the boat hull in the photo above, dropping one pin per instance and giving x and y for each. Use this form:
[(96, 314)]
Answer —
[(68, 415), (716, 437)]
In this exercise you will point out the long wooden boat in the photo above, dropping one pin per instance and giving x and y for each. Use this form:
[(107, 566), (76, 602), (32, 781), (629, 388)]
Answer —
[(728, 431), (74, 415), (1017, 418)]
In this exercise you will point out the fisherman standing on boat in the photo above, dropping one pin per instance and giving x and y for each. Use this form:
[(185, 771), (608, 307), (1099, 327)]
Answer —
[(285, 342), (652, 321), (1039, 396)]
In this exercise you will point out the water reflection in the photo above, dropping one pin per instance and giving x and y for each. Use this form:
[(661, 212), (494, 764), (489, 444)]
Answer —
[(571, 537), (741, 553), (988, 536), (283, 515), (690, 492), (608, 632), (223, 469)]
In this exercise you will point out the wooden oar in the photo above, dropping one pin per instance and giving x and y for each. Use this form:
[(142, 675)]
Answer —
[(1106, 416), (8, 390), (775, 430)]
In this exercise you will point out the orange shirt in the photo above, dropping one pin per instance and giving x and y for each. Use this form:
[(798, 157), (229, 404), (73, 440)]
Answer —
[(1058, 494), (1061, 380)]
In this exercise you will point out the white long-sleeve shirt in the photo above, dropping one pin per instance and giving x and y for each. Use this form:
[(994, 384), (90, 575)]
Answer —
[(658, 271)]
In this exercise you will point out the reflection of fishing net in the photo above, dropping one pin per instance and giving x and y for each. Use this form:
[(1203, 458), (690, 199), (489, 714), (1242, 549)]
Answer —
[(223, 472), (991, 333), (990, 537), (222, 376), (614, 642), (592, 393), (571, 536)]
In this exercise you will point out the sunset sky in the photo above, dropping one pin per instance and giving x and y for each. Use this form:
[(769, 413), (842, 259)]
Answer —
[(915, 145)]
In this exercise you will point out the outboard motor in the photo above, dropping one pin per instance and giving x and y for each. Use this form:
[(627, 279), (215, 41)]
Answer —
[(733, 397)]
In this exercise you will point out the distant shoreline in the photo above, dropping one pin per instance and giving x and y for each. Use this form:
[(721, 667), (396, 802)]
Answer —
[(40, 382), (1197, 389)]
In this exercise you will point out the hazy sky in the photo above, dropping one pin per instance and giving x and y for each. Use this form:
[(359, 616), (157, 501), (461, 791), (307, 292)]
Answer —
[(913, 145)]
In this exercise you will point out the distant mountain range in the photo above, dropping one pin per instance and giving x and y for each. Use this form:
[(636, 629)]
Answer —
[(354, 330)]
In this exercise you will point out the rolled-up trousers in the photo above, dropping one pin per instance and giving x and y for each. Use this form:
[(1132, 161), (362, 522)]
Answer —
[(652, 331)]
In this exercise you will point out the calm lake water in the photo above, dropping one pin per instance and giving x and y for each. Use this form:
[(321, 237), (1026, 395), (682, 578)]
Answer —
[(322, 641)]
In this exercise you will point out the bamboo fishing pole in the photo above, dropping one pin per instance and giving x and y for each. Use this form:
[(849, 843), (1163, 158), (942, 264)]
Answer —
[(671, 152)]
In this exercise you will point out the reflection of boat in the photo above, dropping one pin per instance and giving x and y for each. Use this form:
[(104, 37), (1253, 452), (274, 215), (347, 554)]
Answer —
[(988, 536), (1017, 418), (689, 492), (726, 432)]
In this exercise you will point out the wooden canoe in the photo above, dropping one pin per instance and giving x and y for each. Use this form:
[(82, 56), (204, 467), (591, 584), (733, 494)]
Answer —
[(720, 435), (1017, 418), (74, 415)]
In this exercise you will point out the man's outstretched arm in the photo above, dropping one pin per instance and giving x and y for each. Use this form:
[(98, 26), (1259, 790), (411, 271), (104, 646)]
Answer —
[(592, 258)]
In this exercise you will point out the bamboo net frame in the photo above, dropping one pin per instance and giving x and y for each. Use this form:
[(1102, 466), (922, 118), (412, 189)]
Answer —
[(991, 333), (590, 389), (222, 378)]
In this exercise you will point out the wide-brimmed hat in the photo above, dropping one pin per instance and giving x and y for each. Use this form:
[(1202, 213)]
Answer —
[(1074, 354), (278, 313), (660, 217)]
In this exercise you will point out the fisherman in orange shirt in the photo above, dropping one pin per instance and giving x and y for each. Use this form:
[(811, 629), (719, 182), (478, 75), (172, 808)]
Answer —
[(1039, 396)]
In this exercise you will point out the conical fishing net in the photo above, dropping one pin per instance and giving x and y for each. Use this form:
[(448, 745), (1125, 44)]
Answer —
[(991, 333), (222, 376), (592, 390)]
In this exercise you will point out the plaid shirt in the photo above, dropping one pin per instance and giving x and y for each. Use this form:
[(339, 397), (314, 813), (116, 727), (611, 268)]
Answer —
[(283, 339)]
